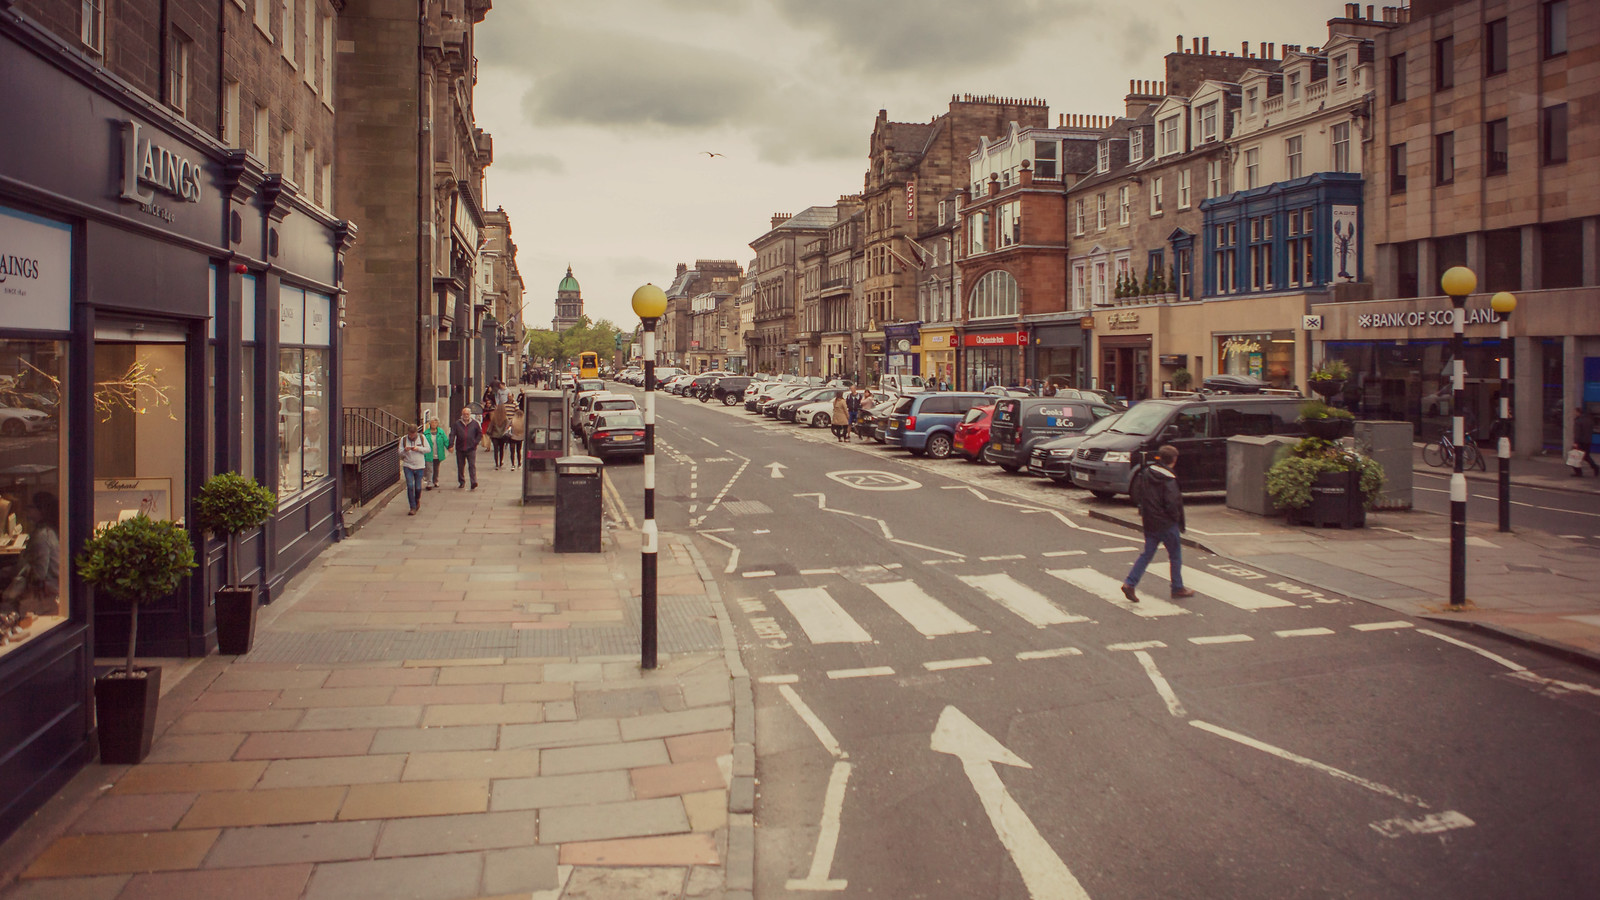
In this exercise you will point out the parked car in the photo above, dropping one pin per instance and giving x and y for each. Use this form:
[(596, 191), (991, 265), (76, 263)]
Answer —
[(1242, 384), (1053, 458), (774, 395), (674, 385), (869, 421), (1022, 423), (1002, 391), (784, 410), (926, 422), (584, 403), (16, 421), (618, 433), (972, 435), (816, 412), (729, 390), (603, 403), (1107, 463), (903, 384), (699, 387)]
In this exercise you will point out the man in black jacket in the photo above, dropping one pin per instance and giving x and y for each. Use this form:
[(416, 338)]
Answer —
[(465, 436), (1161, 508)]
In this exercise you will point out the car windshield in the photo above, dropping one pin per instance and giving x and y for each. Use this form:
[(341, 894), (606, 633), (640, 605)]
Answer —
[(976, 414), (1143, 419), (591, 384), (1103, 424), (622, 420), (616, 404)]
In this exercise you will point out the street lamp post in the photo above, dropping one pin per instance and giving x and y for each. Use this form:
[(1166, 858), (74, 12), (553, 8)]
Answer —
[(1505, 303), (649, 302), (1458, 282)]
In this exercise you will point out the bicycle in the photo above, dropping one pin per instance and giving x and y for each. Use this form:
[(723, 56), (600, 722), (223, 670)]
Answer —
[(1443, 453)]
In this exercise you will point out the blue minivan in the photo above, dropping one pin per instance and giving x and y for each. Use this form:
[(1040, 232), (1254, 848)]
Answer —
[(926, 423)]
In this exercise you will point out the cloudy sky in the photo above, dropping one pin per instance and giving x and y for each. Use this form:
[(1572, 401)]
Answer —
[(601, 109)]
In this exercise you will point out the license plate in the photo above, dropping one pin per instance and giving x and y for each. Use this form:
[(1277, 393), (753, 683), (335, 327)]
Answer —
[(1000, 447), (623, 440)]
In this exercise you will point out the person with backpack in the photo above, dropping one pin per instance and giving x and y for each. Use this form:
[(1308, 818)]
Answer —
[(1161, 509), (438, 446)]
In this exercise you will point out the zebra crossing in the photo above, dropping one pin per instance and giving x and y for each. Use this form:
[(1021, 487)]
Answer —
[(834, 613)]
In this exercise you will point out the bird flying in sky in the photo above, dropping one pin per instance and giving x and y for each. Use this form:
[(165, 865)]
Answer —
[(711, 155)]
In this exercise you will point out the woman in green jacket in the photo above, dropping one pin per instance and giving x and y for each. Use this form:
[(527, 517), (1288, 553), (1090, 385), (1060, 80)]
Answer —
[(438, 443)]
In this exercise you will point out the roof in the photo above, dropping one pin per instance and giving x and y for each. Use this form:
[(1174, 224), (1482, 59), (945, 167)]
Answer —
[(568, 283)]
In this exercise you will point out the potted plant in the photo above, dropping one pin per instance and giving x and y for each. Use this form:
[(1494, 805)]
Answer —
[(1181, 379), (1319, 483), (137, 560), (230, 504), (1328, 378), (1328, 423)]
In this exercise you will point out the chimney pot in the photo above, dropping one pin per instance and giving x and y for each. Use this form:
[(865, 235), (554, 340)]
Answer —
[(1180, 43), (1205, 46)]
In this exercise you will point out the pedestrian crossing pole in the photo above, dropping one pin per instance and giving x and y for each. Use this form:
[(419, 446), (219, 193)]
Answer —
[(1458, 282), (1505, 303), (649, 302)]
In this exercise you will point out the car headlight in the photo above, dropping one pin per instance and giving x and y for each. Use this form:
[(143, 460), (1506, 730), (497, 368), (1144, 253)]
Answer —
[(1118, 456), (1061, 454)]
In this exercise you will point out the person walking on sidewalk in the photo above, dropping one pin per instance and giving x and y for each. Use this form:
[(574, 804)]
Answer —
[(465, 436), (497, 422), (517, 420), (438, 443), (1582, 438), (414, 466), (1161, 508), (842, 418)]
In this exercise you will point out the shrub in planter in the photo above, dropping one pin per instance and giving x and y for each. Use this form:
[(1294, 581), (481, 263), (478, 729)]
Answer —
[(1292, 482), (1328, 379), (1328, 423), (137, 560), (1181, 379), (230, 504)]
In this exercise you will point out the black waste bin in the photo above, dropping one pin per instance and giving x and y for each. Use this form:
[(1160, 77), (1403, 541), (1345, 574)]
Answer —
[(578, 504)]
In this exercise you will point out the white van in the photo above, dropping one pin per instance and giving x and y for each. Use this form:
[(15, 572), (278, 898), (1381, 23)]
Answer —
[(902, 384)]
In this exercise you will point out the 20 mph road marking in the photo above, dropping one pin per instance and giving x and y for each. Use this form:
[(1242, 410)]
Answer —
[(1043, 873)]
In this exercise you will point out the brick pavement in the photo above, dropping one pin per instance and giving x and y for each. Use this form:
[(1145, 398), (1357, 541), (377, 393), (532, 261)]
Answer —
[(331, 764)]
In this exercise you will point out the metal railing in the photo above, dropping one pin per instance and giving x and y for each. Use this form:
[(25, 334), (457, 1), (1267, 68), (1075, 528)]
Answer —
[(370, 451)]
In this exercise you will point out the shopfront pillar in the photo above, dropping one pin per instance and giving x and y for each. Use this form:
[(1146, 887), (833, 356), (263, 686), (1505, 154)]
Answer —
[(1527, 395)]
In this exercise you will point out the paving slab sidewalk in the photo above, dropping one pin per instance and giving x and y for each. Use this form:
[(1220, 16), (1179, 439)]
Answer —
[(1525, 585), (442, 708)]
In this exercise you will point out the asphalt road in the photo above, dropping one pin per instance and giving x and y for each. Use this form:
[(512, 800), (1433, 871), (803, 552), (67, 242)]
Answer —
[(1572, 513), (953, 701)]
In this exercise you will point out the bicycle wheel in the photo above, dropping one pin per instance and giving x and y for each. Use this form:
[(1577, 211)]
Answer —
[(1432, 454), (1471, 458)]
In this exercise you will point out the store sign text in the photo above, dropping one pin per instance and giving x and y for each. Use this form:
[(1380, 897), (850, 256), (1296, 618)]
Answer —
[(1240, 346), (1480, 316), (144, 163), (35, 267), (1122, 321)]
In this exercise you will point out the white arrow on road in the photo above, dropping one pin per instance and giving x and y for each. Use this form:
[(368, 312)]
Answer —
[(777, 469), (1043, 872)]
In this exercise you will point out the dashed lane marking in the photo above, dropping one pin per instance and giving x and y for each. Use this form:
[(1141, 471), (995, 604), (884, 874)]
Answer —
[(1119, 549), (779, 679), (940, 665), (1381, 626), (869, 672), (1001, 557), (1057, 653), (1052, 554), (1303, 632), (759, 573), (1222, 639), (1138, 645)]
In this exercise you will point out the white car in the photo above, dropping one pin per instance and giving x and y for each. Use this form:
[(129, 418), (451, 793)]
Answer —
[(604, 403), (816, 415), (16, 421)]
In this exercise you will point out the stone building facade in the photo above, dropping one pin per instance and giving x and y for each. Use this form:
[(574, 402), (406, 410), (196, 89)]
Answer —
[(568, 304), (501, 287), (676, 333), (773, 346)]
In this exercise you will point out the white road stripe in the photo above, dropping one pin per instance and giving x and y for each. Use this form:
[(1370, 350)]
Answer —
[(827, 837), (1110, 590), (940, 665), (759, 573), (823, 619), (778, 679), (1027, 603), (870, 672), (920, 609), (1050, 654), (819, 571), (1478, 650), (1052, 554), (1556, 685), (829, 743), (1160, 681), (1297, 759), (1222, 639), (1381, 626), (1119, 549), (1001, 558), (1303, 632), (1231, 593), (1432, 823), (1138, 645)]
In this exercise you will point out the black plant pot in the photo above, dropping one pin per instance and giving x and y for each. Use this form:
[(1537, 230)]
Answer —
[(1327, 388), (1336, 500), (125, 713), (236, 619), (1331, 428)]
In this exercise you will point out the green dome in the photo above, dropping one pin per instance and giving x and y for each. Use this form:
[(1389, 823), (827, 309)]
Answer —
[(568, 283)]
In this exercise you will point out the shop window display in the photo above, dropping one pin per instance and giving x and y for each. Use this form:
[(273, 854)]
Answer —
[(304, 339), (140, 435), (32, 458)]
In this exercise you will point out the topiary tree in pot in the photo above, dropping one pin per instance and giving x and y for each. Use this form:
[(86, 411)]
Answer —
[(138, 560), (230, 504)]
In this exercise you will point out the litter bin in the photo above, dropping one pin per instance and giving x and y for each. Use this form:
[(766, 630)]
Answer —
[(578, 504)]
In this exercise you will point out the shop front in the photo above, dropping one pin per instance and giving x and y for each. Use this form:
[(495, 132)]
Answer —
[(871, 363), (1057, 353), (836, 355), (903, 349), (167, 311), (1267, 355), (1123, 353), (939, 355), (992, 358)]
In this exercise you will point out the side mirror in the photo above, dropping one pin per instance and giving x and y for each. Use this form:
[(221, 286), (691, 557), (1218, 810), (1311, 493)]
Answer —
[(1170, 433)]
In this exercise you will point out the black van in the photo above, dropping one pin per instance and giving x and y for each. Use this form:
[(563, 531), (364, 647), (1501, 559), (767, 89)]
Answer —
[(1022, 422), (1106, 463)]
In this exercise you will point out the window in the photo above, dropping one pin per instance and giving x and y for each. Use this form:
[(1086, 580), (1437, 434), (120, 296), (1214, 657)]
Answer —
[(1397, 168), (1080, 286), (1494, 47), (286, 30), (327, 186), (230, 113), (93, 28), (1341, 69), (1294, 87), (1397, 78), (1553, 134), (1183, 188), (178, 47), (977, 229), (259, 147), (34, 453), (1124, 204), (1010, 224), (308, 176), (1444, 64), (1252, 101), (1155, 264), (1101, 298), (1292, 156), (327, 60), (1341, 147), (288, 155), (1169, 136), (1077, 218), (1300, 245), (1444, 158), (1261, 253), (263, 17), (1496, 146), (1208, 122), (1555, 28), (304, 341), (1044, 159), (1100, 216), (1103, 157), (1184, 283), (1156, 185), (995, 294), (1226, 236), (1214, 178), (1135, 145), (311, 44), (1252, 168)]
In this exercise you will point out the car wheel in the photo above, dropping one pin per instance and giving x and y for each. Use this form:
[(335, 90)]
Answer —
[(1009, 468), (981, 457), (729, 400), (939, 446), (13, 428), (1061, 480), (1103, 495), (821, 420), (704, 396)]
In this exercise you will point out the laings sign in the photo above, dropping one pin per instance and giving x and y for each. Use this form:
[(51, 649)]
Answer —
[(19, 267), (144, 163)]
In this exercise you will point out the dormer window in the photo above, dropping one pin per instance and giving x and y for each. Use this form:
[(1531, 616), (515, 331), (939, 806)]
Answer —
[(1208, 122), (1294, 87), (1136, 146), (1102, 162), (1168, 139), (1341, 69), (1250, 100), (1044, 159)]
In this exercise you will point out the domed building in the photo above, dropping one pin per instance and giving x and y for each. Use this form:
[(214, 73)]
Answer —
[(569, 303)]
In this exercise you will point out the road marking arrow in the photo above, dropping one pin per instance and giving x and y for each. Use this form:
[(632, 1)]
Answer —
[(1043, 872), (777, 469)]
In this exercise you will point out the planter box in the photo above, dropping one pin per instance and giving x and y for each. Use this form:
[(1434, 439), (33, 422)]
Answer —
[(1329, 429), (236, 619), (125, 714), (1335, 500)]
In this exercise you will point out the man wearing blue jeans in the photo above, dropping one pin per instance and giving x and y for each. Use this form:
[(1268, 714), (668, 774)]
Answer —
[(1161, 509)]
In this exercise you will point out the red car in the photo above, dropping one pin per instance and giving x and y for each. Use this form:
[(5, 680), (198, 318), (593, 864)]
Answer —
[(972, 435)]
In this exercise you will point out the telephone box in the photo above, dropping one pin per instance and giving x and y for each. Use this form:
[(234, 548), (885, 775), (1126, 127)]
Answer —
[(545, 439)]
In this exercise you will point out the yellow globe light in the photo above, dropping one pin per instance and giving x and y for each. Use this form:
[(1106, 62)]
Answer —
[(1504, 303), (649, 302), (1458, 281)]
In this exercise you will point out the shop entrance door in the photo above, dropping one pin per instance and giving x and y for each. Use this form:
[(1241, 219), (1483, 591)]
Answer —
[(1125, 372)]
